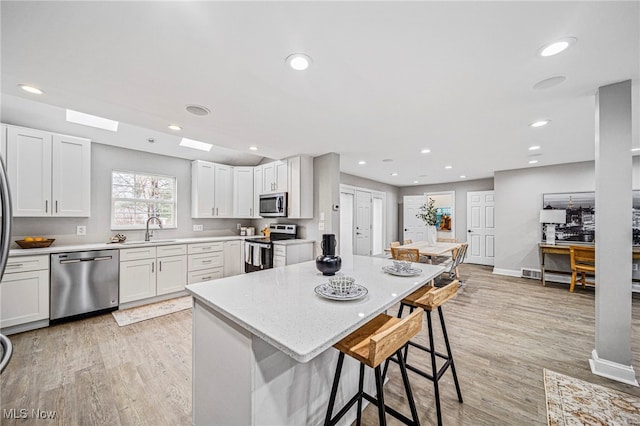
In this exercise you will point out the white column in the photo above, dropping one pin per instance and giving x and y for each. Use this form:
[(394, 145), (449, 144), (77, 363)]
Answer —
[(612, 356)]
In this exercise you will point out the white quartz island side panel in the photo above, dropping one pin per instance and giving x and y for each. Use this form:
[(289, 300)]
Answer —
[(262, 341)]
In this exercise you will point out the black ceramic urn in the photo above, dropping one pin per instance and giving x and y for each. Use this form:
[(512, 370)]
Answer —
[(328, 263)]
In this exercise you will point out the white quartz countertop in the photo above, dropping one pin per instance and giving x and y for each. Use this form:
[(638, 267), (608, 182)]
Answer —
[(280, 305), (110, 246), (292, 242)]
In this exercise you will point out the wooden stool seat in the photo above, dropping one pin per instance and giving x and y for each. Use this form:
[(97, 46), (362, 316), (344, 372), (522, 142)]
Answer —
[(372, 344), (430, 297)]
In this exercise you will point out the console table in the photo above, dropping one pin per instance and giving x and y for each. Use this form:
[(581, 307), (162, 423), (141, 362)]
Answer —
[(563, 249)]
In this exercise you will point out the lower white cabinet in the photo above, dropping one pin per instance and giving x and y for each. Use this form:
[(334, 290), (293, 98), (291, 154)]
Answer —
[(206, 262), (233, 264), (152, 271), (24, 292), (289, 254)]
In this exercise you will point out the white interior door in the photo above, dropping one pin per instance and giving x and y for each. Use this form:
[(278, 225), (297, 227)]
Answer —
[(481, 227), (377, 225), (363, 223), (345, 245), (414, 228)]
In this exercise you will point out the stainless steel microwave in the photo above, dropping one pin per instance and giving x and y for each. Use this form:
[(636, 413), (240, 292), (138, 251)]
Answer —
[(273, 205)]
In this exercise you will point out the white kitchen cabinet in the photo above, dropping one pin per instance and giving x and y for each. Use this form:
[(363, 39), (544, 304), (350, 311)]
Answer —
[(292, 253), (274, 177), (24, 293), (49, 174), (223, 192), (202, 189), (243, 194), (205, 261), (257, 190), (143, 275), (233, 264), (300, 187), (3, 143)]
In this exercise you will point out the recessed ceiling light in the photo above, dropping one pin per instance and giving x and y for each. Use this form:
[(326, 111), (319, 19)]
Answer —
[(387, 160), (394, 174), (448, 167), (30, 89), (91, 120), (362, 162), (533, 161), (253, 148), (534, 148), (556, 47), (299, 61), (190, 143), (198, 110), (539, 123), (425, 151), (415, 181), (151, 140), (463, 176), (174, 127), (550, 82)]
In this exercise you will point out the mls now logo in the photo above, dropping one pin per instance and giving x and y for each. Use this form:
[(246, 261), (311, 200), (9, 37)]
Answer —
[(23, 413)]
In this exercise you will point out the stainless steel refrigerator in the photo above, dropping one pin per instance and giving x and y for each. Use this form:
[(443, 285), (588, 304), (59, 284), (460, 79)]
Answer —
[(5, 240)]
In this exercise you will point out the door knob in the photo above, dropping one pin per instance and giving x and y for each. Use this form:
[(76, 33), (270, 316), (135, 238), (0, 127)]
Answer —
[(469, 231)]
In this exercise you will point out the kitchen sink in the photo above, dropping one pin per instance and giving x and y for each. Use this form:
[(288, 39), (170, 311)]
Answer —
[(148, 242)]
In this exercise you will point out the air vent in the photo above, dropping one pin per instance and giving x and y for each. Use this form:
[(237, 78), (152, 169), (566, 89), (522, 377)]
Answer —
[(531, 273), (198, 110)]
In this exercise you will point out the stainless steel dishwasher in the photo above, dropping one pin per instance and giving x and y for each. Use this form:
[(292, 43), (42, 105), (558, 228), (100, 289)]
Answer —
[(84, 282)]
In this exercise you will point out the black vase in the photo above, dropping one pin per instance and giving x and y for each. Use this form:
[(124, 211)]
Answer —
[(328, 264)]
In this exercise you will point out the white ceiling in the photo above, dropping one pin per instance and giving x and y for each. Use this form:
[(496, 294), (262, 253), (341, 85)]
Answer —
[(387, 79)]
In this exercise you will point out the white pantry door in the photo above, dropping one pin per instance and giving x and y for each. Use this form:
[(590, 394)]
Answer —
[(481, 227), (363, 223), (414, 228)]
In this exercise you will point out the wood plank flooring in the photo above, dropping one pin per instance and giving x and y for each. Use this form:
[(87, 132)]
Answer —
[(503, 332)]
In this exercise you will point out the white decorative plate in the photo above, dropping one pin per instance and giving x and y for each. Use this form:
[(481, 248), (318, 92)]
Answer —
[(411, 272), (357, 291)]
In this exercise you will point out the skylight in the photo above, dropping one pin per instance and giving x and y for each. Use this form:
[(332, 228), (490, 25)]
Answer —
[(91, 120)]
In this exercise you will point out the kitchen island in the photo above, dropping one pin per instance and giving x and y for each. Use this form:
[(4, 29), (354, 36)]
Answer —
[(262, 342)]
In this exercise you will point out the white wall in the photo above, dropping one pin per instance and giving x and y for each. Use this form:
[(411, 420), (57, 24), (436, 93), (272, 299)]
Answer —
[(518, 204), (104, 159)]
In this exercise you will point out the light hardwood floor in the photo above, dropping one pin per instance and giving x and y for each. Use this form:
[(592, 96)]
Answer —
[(503, 332)]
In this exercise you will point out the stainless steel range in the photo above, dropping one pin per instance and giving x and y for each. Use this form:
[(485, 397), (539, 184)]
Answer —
[(258, 252)]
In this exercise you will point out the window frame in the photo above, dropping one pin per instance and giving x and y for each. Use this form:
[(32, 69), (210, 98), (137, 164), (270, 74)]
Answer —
[(174, 201)]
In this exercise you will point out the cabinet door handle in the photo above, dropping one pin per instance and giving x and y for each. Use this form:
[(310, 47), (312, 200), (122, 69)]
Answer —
[(153, 267), (251, 211), (213, 211), (206, 261), (46, 206), (160, 268), (206, 278), (56, 206)]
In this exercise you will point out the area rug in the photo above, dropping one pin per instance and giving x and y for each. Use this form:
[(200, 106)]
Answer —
[(154, 310), (575, 402)]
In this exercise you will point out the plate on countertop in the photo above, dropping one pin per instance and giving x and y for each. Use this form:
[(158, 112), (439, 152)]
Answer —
[(411, 272), (356, 292)]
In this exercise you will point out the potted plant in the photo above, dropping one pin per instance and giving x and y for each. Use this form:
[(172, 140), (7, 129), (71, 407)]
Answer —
[(427, 212)]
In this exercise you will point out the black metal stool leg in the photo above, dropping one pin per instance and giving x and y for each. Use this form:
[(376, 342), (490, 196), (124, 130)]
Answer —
[(360, 391), (434, 368), (380, 391), (386, 363), (449, 354), (407, 388), (334, 389)]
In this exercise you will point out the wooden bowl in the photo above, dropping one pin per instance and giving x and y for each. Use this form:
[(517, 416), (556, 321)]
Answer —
[(35, 244)]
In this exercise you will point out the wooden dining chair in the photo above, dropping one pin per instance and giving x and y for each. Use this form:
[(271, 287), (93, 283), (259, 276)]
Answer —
[(583, 261), (394, 244), (409, 241), (410, 254), (447, 240)]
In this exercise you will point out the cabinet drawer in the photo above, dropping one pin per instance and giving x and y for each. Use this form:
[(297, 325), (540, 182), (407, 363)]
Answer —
[(205, 275), (27, 263), (205, 261), (279, 250), (205, 247), (175, 250), (137, 253)]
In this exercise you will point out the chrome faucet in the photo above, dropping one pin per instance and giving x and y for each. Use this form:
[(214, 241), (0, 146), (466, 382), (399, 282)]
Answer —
[(149, 234)]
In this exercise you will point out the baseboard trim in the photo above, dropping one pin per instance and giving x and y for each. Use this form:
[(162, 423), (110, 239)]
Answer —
[(508, 272), (612, 370)]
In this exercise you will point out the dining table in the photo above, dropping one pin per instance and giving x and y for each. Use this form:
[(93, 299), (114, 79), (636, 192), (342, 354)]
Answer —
[(431, 250)]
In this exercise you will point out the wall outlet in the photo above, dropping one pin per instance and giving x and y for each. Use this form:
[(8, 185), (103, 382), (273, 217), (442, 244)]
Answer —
[(238, 226), (321, 216), (81, 230), (320, 226), (198, 228), (634, 267)]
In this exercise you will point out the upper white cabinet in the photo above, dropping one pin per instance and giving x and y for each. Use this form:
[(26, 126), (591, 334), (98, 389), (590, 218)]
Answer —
[(274, 177), (211, 190), (300, 176), (49, 174), (257, 190), (223, 192), (243, 194)]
